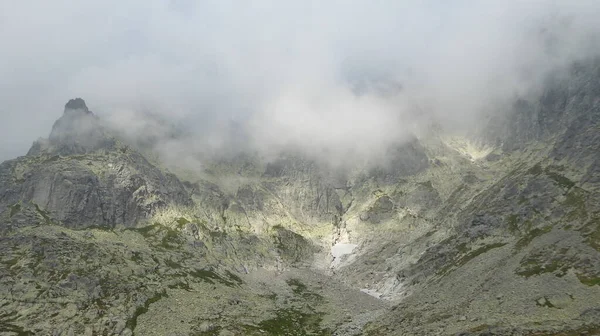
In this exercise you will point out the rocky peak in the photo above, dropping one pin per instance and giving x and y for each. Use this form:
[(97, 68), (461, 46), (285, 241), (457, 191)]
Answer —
[(77, 104), (77, 131)]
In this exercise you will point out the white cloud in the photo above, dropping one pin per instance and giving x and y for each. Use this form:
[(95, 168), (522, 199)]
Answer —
[(285, 69)]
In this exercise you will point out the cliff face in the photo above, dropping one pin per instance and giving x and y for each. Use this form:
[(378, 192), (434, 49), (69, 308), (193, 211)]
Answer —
[(84, 177), (500, 239), (523, 248)]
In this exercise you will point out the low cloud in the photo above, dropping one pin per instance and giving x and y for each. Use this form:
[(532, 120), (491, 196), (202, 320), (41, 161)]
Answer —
[(348, 79)]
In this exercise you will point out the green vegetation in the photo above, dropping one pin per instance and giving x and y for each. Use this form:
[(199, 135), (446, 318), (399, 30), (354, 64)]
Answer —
[(589, 280), (52, 159), (575, 198), (430, 233), (14, 209), (212, 277), (535, 170), (480, 328), (234, 278), (479, 251), (293, 247), (95, 227), (559, 179), (465, 258), (146, 231), (535, 265), (513, 223), (218, 235), (161, 236), (170, 263), (13, 329), (428, 185), (593, 237), (575, 201), (301, 290), (550, 171), (292, 322), (585, 330), (132, 322), (546, 303), (170, 240), (182, 221), (531, 235), (10, 262), (45, 214), (181, 285)]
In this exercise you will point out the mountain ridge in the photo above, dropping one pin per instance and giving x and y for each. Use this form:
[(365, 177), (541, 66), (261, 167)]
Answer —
[(490, 235)]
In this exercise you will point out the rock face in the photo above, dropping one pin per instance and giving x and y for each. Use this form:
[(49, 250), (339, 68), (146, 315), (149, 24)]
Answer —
[(525, 230), (83, 177), (78, 131)]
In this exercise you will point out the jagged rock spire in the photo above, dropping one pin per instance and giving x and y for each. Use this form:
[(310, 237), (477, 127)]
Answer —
[(76, 104), (77, 131)]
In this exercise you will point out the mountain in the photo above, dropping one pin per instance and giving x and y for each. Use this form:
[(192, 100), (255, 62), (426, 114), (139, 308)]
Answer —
[(495, 233)]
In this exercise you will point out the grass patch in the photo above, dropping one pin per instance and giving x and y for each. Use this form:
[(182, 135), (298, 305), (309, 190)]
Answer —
[(546, 303), (591, 232), (480, 251), (427, 185), (535, 170), (169, 238), (181, 285), (13, 329), (480, 328), (45, 214), (437, 317), (147, 231), (535, 266), (52, 159), (300, 289), (136, 257), (181, 221), (593, 239), (560, 179), (585, 330), (531, 235), (132, 322), (96, 227), (553, 175), (291, 322), (430, 233), (212, 277), (589, 280), (292, 247), (14, 209), (576, 202), (465, 258), (10, 262), (218, 235), (170, 263), (513, 223), (234, 278)]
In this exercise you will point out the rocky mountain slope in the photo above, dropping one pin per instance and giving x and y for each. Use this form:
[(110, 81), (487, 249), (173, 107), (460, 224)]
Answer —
[(493, 234)]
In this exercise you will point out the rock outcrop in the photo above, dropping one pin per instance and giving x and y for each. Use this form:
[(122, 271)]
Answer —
[(82, 176)]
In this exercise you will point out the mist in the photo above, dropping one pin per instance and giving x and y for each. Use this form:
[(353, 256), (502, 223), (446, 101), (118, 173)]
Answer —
[(337, 78)]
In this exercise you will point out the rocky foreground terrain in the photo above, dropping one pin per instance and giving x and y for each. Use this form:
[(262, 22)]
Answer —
[(495, 233)]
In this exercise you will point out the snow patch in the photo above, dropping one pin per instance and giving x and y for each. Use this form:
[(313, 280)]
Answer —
[(339, 250)]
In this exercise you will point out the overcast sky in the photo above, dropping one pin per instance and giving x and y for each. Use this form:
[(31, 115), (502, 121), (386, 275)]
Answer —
[(314, 73)]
